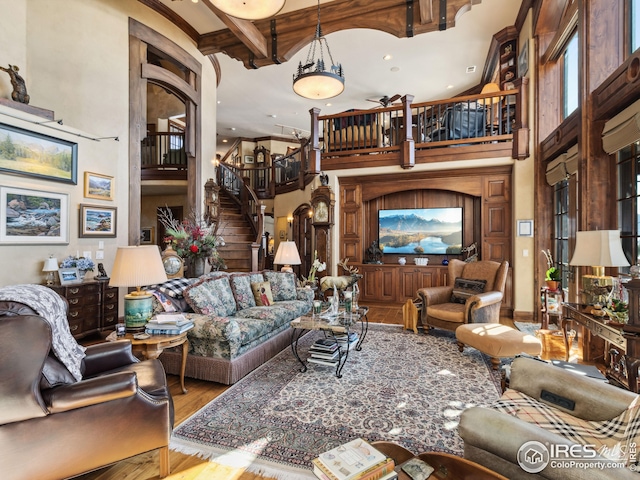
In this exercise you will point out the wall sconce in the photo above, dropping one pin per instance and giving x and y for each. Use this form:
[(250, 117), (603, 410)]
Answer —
[(310, 213), (290, 220)]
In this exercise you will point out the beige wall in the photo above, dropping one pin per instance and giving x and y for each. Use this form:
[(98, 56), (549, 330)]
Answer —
[(74, 57)]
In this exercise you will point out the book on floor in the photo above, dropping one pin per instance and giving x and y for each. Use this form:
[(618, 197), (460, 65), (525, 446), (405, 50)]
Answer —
[(322, 361), (326, 355), (355, 460)]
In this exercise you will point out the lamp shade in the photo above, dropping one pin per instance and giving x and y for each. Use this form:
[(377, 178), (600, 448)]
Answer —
[(249, 9), (50, 265), (136, 266), (601, 248), (287, 254)]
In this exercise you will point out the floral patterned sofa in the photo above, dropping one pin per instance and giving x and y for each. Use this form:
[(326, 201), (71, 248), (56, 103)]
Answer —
[(232, 333)]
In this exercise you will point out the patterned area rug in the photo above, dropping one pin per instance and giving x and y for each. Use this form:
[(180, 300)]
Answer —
[(402, 387)]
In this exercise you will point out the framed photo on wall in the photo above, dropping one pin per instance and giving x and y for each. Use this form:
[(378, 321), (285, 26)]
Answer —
[(248, 159), (97, 221), (98, 186), (36, 155), (29, 217), (147, 236)]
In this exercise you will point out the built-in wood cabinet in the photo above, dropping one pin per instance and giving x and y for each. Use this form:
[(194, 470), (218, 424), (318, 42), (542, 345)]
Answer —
[(397, 283)]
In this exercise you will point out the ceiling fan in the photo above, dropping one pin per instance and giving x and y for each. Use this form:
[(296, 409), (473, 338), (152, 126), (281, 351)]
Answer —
[(386, 100)]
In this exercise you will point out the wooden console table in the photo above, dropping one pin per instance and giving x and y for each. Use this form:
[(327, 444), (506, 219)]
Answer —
[(621, 367)]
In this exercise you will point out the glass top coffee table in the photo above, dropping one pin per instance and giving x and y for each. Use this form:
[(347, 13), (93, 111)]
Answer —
[(342, 324)]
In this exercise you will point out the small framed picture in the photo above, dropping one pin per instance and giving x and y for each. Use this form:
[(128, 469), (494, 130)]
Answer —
[(248, 159), (98, 186), (523, 60), (282, 234), (147, 236), (69, 276), (97, 221), (525, 228)]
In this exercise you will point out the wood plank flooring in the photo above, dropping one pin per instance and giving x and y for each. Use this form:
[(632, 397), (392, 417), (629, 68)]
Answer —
[(185, 467)]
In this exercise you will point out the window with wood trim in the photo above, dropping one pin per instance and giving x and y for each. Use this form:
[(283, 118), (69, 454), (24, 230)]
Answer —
[(570, 76), (628, 160), (561, 229)]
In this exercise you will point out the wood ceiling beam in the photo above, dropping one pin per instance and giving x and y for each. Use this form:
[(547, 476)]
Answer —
[(296, 29), (245, 31)]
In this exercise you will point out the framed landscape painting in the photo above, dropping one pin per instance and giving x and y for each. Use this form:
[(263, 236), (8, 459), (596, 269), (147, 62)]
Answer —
[(33, 217), (36, 155), (97, 221), (98, 186)]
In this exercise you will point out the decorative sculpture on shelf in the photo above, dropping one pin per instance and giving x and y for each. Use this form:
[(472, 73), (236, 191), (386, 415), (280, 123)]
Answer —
[(103, 277), (19, 93), (373, 253)]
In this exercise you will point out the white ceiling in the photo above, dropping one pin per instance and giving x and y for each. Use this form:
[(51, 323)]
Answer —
[(256, 103)]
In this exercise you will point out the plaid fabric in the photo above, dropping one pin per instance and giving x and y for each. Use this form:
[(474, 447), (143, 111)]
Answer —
[(174, 287), (610, 437)]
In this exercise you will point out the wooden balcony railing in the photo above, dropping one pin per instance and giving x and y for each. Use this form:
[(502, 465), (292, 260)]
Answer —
[(471, 120), (164, 157)]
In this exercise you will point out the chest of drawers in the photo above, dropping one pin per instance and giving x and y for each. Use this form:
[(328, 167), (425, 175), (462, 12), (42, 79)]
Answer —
[(93, 306)]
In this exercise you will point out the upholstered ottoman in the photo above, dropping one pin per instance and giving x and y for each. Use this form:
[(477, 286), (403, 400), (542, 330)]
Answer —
[(497, 341)]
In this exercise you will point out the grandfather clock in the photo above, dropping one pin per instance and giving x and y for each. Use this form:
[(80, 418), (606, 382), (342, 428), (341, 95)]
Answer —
[(322, 202)]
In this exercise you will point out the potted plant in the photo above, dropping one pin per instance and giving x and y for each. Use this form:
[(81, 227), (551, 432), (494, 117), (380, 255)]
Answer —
[(552, 275)]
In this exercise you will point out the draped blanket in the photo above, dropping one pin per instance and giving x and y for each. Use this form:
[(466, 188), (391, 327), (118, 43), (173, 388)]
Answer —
[(52, 307)]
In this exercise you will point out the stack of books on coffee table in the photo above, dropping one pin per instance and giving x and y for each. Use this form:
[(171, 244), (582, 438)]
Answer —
[(324, 351), (355, 460), (168, 324)]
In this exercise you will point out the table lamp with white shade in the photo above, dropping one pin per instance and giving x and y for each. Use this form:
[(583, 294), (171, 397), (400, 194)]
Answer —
[(598, 249), (136, 266), (50, 267), (287, 255)]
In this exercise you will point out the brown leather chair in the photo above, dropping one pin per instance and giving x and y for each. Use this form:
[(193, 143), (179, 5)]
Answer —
[(54, 427), (439, 311)]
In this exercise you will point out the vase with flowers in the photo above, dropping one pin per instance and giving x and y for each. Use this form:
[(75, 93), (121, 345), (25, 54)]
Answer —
[(193, 239), (317, 266), (83, 264)]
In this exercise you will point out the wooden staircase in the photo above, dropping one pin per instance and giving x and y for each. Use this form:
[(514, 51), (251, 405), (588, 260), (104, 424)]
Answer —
[(237, 233)]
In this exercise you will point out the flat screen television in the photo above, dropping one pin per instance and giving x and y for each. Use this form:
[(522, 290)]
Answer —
[(428, 231)]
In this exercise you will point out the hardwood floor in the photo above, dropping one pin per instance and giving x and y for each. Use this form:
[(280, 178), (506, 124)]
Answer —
[(185, 467)]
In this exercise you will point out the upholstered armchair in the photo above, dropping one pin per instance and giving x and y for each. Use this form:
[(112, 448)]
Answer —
[(473, 295), (578, 420), (54, 426)]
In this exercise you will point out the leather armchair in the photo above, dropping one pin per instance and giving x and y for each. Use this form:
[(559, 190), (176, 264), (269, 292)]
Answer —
[(54, 427), (438, 310), (549, 400)]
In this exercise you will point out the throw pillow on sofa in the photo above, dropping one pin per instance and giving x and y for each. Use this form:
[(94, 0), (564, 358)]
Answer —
[(174, 287), (211, 297), (464, 288), (283, 285), (262, 293), (241, 286)]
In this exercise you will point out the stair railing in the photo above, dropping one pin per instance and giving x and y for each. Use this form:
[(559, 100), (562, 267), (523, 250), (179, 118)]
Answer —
[(291, 171), (243, 195)]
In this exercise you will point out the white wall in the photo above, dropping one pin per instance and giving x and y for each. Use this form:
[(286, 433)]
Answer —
[(74, 56)]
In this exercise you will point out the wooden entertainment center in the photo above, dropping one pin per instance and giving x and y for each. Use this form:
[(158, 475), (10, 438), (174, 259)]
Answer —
[(484, 195)]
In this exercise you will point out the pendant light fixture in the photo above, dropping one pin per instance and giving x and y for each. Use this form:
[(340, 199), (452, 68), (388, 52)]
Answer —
[(311, 80), (249, 9)]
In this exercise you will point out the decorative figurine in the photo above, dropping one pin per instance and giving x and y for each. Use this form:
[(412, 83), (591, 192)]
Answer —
[(19, 93), (103, 277), (373, 253), (324, 179)]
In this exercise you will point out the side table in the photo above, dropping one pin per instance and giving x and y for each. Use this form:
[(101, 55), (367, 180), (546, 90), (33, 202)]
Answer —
[(152, 347), (446, 466)]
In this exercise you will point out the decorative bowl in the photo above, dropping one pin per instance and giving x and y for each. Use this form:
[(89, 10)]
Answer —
[(421, 261)]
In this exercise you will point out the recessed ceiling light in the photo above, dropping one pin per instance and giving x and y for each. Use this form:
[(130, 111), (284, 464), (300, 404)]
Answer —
[(449, 86), (327, 104), (224, 140), (273, 115), (232, 129), (218, 102), (395, 69), (471, 69), (387, 57)]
